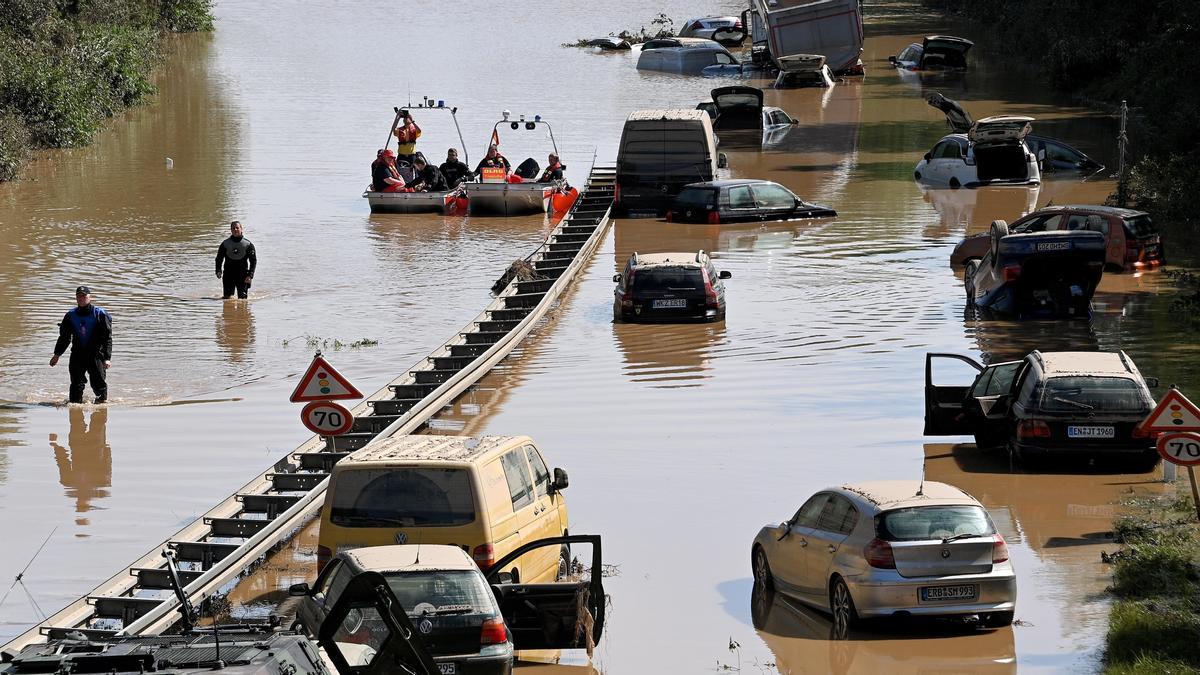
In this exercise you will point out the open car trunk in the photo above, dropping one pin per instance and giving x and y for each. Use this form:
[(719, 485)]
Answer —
[(944, 51), (1001, 162), (959, 119), (738, 109), (1057, 272)]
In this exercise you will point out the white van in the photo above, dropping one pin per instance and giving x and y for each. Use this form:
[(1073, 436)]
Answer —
[(685, 56), (662, 151)]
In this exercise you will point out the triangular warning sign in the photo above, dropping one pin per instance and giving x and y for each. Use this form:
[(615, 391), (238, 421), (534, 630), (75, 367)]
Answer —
[(1173, 413), (322, 383)]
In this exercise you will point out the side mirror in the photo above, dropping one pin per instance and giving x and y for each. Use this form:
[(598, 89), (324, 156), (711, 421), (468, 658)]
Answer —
[(892, 60), (505, 577), (560, 480), (1152, 382), (927, 157), (795, 121), (617, 278), (722, 161), (724, 274), (785, 528), (300, 589)]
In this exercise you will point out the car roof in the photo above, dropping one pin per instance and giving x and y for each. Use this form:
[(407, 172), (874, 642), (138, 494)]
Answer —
[(666, 114), (895, 494), (410, 558), (729, 182), (1093, 208), (1108, 364), (684, 43), (426, 447), (677, 259)]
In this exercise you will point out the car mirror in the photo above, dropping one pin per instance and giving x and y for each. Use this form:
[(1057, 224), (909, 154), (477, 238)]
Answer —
[(1152, 382), (560, 480), (785, 528), (927, 157), (298, 589), (724, 274), (892, 60), (722, 161), (617, 278)]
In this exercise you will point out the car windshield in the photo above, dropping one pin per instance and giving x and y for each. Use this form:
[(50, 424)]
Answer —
[(402, 497), (1140, 226), (1110, 394), (442, 592), (695, 198), (933, 522), (669, 279)]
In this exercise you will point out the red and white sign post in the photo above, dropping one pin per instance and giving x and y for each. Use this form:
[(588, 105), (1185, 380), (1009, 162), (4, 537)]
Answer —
[(1177, 421), (319, 387)]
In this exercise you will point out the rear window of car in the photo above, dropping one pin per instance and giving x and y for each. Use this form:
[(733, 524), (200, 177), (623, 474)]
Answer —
[(402, 497), (696, 198), (933, 522), (1140, 227), (1109, 394), (442, 592), (668, 279)]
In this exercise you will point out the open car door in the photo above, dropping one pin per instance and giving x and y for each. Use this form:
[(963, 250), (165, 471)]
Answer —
[(368, 633), (945, 405), (556, 615)]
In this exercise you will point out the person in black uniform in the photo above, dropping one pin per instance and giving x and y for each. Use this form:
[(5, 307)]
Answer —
[(88, 330), (453, 170), (240, 261), (427, 178)]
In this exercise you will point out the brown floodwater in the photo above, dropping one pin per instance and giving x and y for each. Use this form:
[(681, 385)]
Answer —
[(681, 441)]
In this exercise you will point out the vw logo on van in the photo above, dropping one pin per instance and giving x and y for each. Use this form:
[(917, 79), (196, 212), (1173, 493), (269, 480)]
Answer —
[(945, 553), (401, 538), (426, 626)]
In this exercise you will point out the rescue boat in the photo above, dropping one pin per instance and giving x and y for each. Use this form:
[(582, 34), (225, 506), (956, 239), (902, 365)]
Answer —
[(517, 192), (449, 202)]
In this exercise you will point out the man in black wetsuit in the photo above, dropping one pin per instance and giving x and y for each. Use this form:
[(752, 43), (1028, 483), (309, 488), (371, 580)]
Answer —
[(88, 330), (427, 178), (453, 170), (240, 261)]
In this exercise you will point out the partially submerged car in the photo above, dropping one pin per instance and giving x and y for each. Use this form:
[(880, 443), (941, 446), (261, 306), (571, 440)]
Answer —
[(685, 56), (741, 200), (1077, 405), (469, 623), (890, 548), (1036, 274), (738, 108), (1131, 240), (799, 70), (609, 44), (993, 152), (669, 287), (936, 52), (726, 30)]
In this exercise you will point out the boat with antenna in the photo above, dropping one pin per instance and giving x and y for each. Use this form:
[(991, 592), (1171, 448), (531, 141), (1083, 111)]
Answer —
[(449, 202), (518, 191)]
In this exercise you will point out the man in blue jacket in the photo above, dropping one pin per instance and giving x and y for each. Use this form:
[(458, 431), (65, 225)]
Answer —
[(88, 330)]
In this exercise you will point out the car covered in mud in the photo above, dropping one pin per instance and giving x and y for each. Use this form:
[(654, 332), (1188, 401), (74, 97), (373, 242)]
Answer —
[(741, 200), (683, 55), (1078, 406), (936, 52), (468, 622), (726, 30), (669, 287), (993, 152), (1036, 274), (1131, 240), (895, 548)]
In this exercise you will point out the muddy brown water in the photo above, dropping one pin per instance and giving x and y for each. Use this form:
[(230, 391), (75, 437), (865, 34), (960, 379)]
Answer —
[(681, 441)]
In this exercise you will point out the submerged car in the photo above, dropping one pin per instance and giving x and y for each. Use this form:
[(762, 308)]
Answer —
[(993, 152), (890, 548), (741, 200), (685, 56), (936, 52), (1077, 405), (670, 287), (1131, 240), (469, 623), (1036, 274), (724, 29)]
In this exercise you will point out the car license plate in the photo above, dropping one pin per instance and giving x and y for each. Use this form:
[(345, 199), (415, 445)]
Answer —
[(1053, 245), (942, 593), (669, 303), (1091, 432), (447, 669)]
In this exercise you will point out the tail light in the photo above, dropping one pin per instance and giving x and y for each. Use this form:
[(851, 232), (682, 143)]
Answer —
[(617, 193), (494, 632), (670, 216), (710, 293), (627, 296), (737, 24), (323, 556), (1033, 429), (714, 218), (878, 554), (1012, 272), (999, 550), (1139, 432), (484, 556)]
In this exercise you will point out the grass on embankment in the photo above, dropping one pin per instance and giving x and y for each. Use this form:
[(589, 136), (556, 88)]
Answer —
[(66, 66), (1154, 626)]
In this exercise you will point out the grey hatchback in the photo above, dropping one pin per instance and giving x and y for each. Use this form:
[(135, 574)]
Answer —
[(669, 287)]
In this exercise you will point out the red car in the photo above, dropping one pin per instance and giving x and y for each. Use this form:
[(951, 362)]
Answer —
[(1132, 242)]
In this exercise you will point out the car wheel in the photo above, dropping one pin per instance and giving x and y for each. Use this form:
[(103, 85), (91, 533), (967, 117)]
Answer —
[(845, 616), (917, 175), (1146, 463), (954, 183), (969, 281), (762, 570), (996, 620), (564, 563)]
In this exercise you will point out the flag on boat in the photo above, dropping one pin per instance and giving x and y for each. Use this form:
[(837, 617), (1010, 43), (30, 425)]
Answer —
[(495, 138)]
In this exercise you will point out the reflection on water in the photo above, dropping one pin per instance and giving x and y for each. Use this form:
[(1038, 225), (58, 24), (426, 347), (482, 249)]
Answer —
[(235, 329), (85, 464), (967, 210)]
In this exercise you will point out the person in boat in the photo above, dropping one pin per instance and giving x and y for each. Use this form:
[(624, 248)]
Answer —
[(427, 178), (554, 170), (493, 160), (453, 170), (407, 134), (384, 175)]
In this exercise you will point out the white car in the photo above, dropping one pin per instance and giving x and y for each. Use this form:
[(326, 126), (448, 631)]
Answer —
[(993, 152), (685, 56), (707, 26)]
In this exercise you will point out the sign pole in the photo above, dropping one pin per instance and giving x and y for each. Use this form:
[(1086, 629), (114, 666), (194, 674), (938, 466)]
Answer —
[(1170, 472), (1195, 491)]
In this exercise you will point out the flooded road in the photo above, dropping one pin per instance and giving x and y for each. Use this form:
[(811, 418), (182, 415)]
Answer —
[(681, 441)]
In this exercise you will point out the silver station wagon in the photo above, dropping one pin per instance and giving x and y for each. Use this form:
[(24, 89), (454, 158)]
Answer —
[(890, 548)]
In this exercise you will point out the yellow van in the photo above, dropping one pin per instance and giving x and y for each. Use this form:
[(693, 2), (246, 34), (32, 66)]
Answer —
[(487, 496)]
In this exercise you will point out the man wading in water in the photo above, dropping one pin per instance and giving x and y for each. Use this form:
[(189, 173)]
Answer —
[(88, 329), (240, 260)]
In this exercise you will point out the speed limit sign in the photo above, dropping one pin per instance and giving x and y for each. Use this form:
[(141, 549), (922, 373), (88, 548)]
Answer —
[(1180, 447), (326, 418)]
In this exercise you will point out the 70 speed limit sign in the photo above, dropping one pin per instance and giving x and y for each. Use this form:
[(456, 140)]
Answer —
[(1180, 447), (326, 418)]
